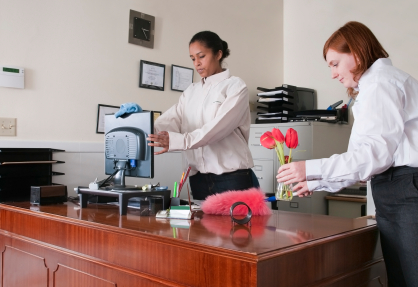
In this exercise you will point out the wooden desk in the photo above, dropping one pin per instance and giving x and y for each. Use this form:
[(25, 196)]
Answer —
[(61, 245)]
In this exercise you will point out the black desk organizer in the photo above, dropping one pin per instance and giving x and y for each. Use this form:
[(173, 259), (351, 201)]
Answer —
[(123, 196), (21, 168), (288, 98)]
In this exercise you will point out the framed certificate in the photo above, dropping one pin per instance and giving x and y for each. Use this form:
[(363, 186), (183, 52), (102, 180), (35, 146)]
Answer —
[(151, 75), (156, 115), (101, 112), (181, 78)]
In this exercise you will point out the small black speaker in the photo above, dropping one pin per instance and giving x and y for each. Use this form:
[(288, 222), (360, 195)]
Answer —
[(48, 194)]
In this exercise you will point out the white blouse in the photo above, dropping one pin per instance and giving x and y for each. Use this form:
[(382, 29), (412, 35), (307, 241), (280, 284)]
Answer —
[(384, 134), (211, 124)]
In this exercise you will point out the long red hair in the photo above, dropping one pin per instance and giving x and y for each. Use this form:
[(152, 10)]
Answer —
[(355, 38)]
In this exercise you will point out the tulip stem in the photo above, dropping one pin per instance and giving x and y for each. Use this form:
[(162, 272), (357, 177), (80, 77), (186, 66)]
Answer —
[(290, 155), (280, 153)]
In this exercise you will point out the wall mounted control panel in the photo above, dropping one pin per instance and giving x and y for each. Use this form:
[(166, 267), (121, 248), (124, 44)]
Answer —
[(12, 77)]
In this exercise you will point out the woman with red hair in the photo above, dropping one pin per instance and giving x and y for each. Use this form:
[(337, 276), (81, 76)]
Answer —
[(383, 145)]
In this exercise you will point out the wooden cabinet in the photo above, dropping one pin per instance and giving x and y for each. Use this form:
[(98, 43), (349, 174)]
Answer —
[(316, 140)]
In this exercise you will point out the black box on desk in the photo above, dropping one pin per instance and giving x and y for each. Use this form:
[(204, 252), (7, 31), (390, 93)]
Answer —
[(48, 194), (22, 168)]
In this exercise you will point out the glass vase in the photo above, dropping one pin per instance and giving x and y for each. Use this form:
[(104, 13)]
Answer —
[(284, 191)]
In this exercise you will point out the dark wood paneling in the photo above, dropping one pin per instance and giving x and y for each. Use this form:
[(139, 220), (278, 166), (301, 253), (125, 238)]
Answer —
[(23, 269), (65, 276), (83, 269), (369, 276), (327, 264)]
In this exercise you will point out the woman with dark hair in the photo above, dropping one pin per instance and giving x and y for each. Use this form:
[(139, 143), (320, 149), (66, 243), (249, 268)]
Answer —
[(383, 146), (210, 123)]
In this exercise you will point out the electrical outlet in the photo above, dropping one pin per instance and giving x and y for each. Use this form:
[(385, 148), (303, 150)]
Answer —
[(7, 127)]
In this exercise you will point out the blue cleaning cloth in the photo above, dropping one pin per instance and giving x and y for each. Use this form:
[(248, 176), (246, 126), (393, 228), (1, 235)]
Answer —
[(270, 199), (128, 108)]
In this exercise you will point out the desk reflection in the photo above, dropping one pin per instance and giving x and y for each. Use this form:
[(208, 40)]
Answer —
[(270, 232)]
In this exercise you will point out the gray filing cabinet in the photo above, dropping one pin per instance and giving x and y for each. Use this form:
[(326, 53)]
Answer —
[(316, 140)]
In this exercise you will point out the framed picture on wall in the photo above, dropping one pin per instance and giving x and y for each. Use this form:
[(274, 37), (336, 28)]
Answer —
[(156, 115), (101, 112), (151, 75), (181, 78)]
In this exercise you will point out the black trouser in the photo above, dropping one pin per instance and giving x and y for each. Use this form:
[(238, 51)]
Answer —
[(206, 184), (395, 196)]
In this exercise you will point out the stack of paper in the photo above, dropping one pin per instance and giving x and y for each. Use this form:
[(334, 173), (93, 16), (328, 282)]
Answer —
[(278, 92), (271, 100)]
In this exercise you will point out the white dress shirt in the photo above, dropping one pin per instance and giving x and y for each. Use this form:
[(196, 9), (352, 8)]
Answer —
[(384, 133), (211, 124)]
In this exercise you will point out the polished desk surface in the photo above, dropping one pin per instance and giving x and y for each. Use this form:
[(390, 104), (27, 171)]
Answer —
[(267, 233)]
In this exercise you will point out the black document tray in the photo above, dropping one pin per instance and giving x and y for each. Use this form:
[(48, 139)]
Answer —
[(122, 195), (271, 121), (274, 109)]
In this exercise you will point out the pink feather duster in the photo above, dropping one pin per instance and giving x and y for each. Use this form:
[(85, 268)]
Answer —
[(220, 203)]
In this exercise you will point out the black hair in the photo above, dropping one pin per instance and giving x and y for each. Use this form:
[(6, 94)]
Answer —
[(212, 41)]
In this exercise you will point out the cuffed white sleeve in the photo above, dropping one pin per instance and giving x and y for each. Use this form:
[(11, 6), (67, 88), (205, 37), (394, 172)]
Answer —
[(313, 169), (317, 185)]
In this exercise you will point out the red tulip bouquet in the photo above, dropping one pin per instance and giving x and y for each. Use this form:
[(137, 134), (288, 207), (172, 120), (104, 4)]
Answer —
[(274, 140)]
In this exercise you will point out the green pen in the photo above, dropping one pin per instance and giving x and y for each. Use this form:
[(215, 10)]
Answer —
[(175, 189)]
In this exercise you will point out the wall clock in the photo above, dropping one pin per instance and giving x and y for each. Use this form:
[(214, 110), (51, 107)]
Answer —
[(141, 29)]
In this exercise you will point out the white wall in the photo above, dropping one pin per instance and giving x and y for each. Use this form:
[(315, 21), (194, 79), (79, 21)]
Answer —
[(76, 55), (308, 24)]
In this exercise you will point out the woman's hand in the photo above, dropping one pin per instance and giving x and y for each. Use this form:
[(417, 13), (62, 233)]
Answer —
[(162, 139), (301, 189), (292, 172)]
